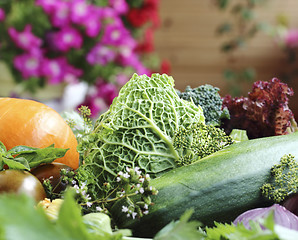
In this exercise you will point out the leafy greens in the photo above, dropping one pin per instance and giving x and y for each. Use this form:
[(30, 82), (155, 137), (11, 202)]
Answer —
[(137, 130)]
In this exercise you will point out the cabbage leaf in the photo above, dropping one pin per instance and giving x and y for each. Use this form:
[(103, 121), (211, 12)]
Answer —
[(138, 130)]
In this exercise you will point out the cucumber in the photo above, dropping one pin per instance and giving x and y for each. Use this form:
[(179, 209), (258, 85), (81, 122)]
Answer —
[(218, 187)]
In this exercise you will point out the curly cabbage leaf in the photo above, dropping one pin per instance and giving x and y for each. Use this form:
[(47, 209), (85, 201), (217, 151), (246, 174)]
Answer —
[(138, 129)]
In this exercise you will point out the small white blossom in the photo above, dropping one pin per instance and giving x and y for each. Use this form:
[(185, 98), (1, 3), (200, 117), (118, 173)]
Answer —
[(88, 204), (142, 180), (127, 169), (146, 212), (73, 182), (83, 185), (126, 175), (147, 176), (98, 208), (118, 179), (141, 190), (134, 214), (137, 170), (146, 206), (120, 173), (124, 209), (150, 188)]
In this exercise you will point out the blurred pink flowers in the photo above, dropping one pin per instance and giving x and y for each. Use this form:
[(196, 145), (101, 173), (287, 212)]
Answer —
[(25, 40), (81, 40)]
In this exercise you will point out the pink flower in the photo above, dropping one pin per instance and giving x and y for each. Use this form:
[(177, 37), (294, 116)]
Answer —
[(106, 90), (101, 54), (102, 97), (2, 15), (291, 39), (80, 11), (68, 38), (93, 21), (59, 70), (25, 40), (120, 6), (47, 5), (114, 34), (28, 64), (60, 14)]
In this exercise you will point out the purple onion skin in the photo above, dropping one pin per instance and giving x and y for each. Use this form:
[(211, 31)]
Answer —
[(282, 216), (292, 204)]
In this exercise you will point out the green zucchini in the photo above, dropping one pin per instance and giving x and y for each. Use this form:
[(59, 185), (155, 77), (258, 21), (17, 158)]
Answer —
[(218, 187)]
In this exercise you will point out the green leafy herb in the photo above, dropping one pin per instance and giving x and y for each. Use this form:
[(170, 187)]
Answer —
[(25, 158), (181, 230)]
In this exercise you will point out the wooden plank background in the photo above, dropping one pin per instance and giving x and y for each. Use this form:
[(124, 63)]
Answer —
[(187, 39)]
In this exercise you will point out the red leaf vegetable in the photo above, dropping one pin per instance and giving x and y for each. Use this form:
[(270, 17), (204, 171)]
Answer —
[(265, 112)]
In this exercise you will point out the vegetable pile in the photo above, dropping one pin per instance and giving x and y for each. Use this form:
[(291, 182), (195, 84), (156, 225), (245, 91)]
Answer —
[(160, 164), (147, 126)]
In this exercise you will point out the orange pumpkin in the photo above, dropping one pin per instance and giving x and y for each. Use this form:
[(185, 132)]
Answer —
[(34, 124)]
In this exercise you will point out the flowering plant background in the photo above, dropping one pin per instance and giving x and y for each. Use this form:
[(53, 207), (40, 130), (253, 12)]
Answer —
[(100, 42)]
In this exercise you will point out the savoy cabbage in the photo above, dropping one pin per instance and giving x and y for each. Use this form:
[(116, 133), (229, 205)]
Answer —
[(137, 130)]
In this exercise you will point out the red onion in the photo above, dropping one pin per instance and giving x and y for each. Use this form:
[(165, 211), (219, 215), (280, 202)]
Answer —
[(282, 216)]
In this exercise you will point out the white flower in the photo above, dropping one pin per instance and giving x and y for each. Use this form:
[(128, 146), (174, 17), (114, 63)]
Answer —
[(146, 212), (83, 185), (142, 180), (127, 169), (98, 208), (124, 209), (141, 190), (137, 170), (134, 214), (120, 173), (118, 179), (146, 206), (88, 204), (126, 175)]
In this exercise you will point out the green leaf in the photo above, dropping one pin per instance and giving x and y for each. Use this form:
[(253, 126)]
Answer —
[(70, 218), (181, 230), (20, 220), (16, 163), (2, 148), (37, 156)]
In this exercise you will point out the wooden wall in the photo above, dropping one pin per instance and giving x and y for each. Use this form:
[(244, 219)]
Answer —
[(187, 39)]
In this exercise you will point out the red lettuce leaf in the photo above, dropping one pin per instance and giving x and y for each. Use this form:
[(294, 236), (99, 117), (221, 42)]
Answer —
[(263, 113)]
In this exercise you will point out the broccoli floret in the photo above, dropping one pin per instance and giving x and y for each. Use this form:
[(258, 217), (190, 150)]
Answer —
[(284, 180), (209, 99), (199, 140)]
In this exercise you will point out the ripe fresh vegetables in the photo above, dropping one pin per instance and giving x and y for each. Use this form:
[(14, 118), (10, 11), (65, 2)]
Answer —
[(218, 187), (21, 182), (30, 123)]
